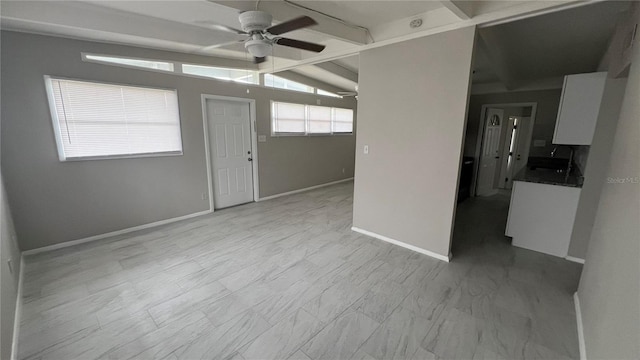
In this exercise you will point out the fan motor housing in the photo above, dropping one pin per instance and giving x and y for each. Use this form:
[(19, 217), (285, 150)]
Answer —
[(255, 20)]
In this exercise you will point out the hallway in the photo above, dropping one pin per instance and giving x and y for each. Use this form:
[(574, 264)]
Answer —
[(529, 294)]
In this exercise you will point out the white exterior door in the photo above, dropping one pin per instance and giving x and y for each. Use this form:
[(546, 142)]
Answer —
[(489, 154), (229, 128)]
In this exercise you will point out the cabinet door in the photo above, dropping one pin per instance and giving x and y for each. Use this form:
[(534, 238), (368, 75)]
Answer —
[(541, 217), (579, 107)]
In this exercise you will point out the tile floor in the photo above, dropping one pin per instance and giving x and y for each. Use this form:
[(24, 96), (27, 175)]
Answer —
[(288, 279)]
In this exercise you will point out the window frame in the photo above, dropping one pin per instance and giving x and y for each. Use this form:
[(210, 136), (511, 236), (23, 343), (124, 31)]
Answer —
[(264, 84), (306, 122), (174, 64), (180, 71), (178, 65), (55, 122)]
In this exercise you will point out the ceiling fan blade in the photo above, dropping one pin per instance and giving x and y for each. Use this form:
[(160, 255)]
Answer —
[(227, 29), (299, 44), (293, 24), (258, 60), (211, 47)]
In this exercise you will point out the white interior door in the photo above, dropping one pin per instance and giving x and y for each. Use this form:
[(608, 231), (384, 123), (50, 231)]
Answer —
[(509, 143), (516, 149), (489, 153), (524, 130), (229, 128)]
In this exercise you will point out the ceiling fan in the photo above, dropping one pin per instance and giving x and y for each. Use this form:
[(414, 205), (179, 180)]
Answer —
[(349, 93), (262, 36)]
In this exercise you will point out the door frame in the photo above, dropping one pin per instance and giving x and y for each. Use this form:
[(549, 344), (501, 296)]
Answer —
[(481, 126), (254, 142)]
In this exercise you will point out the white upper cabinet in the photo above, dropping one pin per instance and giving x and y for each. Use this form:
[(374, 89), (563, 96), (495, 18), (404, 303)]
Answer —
[(579, 108)]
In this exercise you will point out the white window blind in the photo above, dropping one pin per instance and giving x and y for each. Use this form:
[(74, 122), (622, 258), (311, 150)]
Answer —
[(299, 119), (319, 119), (342, 120), (288, 118), (96, 120)]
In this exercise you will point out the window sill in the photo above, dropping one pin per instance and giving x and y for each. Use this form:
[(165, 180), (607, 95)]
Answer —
[(127, 156), (309, 135)]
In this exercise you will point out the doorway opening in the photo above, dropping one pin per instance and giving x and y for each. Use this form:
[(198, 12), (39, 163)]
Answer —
[(504, 140), (231, 150)]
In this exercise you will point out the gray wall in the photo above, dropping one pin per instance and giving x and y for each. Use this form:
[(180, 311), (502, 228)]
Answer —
[(411, 113), (545, 122), (8, 276), (596, 166), (55, 201), (609, 290)]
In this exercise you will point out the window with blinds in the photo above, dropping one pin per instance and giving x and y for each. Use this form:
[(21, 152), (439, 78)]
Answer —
[(299, 119), (96, 120)]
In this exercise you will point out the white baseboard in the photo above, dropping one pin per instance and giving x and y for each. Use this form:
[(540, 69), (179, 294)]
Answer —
[(581, 344), (404, 245), (574, 259), (18, 314), (113, 233), (305, 189)]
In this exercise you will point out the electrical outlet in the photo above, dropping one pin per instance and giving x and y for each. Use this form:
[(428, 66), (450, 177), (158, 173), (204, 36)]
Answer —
[(366, 149), (343, 170)]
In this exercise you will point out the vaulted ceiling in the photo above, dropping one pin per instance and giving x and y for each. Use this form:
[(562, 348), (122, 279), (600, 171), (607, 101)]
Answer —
[(345, 27)]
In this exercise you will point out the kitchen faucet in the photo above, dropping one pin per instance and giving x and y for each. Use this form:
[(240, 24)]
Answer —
[(569, 164)]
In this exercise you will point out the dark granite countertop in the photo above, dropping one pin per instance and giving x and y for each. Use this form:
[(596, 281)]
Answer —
[(549, 177)]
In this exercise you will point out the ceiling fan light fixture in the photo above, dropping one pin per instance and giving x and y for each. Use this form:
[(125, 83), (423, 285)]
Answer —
[(258, 48)]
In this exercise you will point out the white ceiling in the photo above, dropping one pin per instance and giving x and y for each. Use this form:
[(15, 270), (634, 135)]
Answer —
[(369, 13), (351, 63), (183, 25)]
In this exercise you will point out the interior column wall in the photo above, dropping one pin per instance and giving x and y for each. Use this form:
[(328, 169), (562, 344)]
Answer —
[(411, 114)]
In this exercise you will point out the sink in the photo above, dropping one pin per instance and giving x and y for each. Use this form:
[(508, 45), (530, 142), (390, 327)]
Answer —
[(547, 163)]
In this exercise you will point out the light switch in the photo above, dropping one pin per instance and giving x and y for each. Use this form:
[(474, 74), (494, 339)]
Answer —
[(366, 149), (262, 138)]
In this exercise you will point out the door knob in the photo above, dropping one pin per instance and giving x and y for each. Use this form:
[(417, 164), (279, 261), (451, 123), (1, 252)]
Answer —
[(250, 159)]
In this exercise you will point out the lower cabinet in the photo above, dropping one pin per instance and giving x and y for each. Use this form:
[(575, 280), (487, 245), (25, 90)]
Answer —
[(541, 216)]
